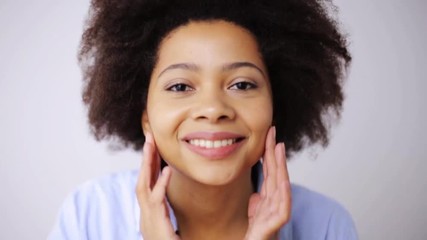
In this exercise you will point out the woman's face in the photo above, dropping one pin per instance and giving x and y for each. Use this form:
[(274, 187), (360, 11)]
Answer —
[(209, 103)]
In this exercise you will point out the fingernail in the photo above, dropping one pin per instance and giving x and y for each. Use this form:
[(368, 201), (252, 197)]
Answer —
[(283, 148)]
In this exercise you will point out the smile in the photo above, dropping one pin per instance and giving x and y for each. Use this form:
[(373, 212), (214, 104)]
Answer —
[(212, 144)]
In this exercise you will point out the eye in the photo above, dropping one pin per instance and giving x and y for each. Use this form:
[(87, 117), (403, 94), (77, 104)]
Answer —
[(179, 87), (244, 85)]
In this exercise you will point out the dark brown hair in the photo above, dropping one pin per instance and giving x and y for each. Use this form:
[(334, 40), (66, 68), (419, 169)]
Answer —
[(305, 53)]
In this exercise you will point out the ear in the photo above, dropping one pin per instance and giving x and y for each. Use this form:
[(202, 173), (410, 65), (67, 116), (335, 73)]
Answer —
[(145, 123)]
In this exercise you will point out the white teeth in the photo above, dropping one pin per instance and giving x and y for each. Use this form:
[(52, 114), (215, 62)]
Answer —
[(217, 144), (211, 144)]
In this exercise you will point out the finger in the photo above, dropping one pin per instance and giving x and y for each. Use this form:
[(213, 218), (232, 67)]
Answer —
[(282, 169), (265, 174), (147, 175), (280, 157), (154, 160), (150, 171), (155, 163), (269, 159), (264, 171), (283, 181), (159, 189), (264, 165), (285, 206), (144, 177)]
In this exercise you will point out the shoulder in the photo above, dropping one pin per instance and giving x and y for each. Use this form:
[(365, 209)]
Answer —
[(112, 183), (314, 215), (102, 208), (105, 192)]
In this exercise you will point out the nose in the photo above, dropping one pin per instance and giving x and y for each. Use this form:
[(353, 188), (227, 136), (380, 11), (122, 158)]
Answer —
[(213, 107)]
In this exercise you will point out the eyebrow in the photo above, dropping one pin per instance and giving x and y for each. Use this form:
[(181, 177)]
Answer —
[(236, 65), (227, 67), (185, 66)]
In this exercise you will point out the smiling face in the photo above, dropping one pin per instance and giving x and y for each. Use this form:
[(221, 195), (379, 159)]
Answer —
[(209, 102)]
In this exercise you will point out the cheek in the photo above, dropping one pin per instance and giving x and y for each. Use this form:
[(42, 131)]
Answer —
[(260, 115), (165, 119), (259, 119)]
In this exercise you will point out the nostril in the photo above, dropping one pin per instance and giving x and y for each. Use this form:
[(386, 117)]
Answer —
[(213, 110)]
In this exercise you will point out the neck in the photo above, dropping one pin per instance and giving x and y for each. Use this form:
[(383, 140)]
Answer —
[(205, 210)]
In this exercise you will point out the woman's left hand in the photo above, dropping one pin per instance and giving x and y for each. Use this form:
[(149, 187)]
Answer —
[(269, 210)]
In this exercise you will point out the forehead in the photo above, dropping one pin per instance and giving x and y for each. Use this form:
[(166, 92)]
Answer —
[(209, 43)]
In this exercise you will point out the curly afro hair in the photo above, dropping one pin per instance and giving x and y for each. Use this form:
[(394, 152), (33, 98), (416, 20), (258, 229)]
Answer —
[(305, 53)]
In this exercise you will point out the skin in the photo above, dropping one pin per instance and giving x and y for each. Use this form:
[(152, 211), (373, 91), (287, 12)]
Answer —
[(210, 78)]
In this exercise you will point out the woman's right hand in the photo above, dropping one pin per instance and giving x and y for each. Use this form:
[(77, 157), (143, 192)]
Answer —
[(151, 193)]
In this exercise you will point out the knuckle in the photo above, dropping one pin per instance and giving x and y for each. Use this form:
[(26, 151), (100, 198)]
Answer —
[(140, 192)]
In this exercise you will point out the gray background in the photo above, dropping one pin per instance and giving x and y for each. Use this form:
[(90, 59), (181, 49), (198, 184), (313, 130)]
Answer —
[(375, 164)]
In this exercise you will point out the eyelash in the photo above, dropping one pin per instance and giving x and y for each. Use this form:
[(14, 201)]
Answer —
[(182, 87), (178, 88), (247, 86)]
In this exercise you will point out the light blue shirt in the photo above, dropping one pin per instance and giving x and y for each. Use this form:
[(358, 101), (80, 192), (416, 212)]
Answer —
[(107, 209)]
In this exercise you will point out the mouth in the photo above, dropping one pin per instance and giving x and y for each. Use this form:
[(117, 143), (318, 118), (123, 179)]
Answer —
[(205, 143), (213, 145)]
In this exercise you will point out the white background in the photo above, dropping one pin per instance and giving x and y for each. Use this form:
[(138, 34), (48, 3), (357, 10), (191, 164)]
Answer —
[(375, 165)]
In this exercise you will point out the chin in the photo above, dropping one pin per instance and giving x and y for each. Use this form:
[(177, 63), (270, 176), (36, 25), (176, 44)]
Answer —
[(213, 172), (217, 176)]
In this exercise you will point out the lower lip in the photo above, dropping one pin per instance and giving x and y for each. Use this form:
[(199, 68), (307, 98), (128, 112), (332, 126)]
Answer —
[(214, 153)]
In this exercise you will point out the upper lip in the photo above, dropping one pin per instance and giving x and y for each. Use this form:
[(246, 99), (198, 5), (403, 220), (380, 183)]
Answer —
[(212, 136)]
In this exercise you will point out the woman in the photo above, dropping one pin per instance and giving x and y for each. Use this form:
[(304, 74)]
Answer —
[(207, 88)]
